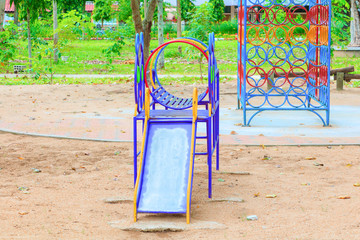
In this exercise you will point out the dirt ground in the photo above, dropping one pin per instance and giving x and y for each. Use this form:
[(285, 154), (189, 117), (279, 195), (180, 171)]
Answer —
[(65, 199)]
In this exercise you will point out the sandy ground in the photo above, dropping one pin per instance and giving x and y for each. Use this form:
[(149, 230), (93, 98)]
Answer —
[(65, 199)]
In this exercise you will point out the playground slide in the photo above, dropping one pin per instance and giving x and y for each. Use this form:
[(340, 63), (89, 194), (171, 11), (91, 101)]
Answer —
[(163, 185)]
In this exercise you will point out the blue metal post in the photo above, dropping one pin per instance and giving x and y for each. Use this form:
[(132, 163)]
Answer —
[(135, 148), (209, 150)]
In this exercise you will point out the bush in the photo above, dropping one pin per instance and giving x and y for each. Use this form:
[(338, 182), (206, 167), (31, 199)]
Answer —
[(169, 28), (72, 25), (227, 27), (127, 29), (201, 23), (42, 28), (7, 47)]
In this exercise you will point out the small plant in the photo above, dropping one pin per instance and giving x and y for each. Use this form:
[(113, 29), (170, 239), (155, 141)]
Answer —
[(113, 51), (7, 47), (127, 29), (45, 71), (201, 23)]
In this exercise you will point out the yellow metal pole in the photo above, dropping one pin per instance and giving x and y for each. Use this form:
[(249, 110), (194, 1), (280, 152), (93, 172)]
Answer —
[(135, 112)]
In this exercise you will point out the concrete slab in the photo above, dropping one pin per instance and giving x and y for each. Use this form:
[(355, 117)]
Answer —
[(229, 199), (165, 226), (235, 173), (114, 200), (268, 128)]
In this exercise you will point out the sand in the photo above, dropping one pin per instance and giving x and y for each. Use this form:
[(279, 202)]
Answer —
[(65, 199)]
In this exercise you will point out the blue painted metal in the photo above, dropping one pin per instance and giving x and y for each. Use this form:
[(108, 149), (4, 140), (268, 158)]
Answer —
[(164, 179), (139, 84), (157, 172), (268, 51)]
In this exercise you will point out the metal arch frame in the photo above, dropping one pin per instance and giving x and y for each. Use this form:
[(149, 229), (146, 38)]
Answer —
[(314, 96)]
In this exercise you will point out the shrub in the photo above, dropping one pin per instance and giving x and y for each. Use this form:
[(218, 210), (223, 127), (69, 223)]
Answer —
[(127, 29), (227, 27)]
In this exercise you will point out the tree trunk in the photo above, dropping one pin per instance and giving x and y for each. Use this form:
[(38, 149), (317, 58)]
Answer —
[(232, 12), (355, 24), (2, 14), (102, 24), (56, 35), (145, 25), (29, 35), (145, 8), (16, 14), (178, 7), (161, 31), (83, 7), (83, 12)]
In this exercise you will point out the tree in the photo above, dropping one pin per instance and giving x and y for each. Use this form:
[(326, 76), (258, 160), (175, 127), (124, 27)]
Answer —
[(200, 24), (124, 10), (187, 9), (16, 11), (56, 35), (218, 7), (32, 10), (144, 25), (178, 9), (102, 11), (145, 2), (16, 14), (2, 14), (68, 5), (340, 20), (164, 13), (161, 31), (355, 23)]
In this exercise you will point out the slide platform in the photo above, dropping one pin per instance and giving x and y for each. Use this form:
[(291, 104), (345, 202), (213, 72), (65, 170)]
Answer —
[(165, 172)]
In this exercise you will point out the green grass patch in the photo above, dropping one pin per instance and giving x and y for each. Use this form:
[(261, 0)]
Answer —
[(353, 84), (64, 80), (24, 80), (86, 57)]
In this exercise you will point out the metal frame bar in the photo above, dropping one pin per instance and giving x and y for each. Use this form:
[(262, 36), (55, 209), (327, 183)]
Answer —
[(316, 91)]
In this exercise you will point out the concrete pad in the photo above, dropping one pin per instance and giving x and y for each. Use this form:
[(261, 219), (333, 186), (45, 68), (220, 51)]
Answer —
[(165, 226), (229, 199), (235, 173), (114, 200), (269, 128)]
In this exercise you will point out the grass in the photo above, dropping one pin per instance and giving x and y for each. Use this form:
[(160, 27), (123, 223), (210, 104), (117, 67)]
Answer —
[(86, 57), (63, 80), (24, 80), (353, 84)]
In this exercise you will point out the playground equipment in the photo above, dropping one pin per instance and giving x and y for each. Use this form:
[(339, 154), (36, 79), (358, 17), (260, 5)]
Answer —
[(163, 182), (287, 44)]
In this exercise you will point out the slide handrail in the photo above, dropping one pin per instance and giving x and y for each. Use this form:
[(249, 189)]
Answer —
[(147, 116), (195, 108)]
